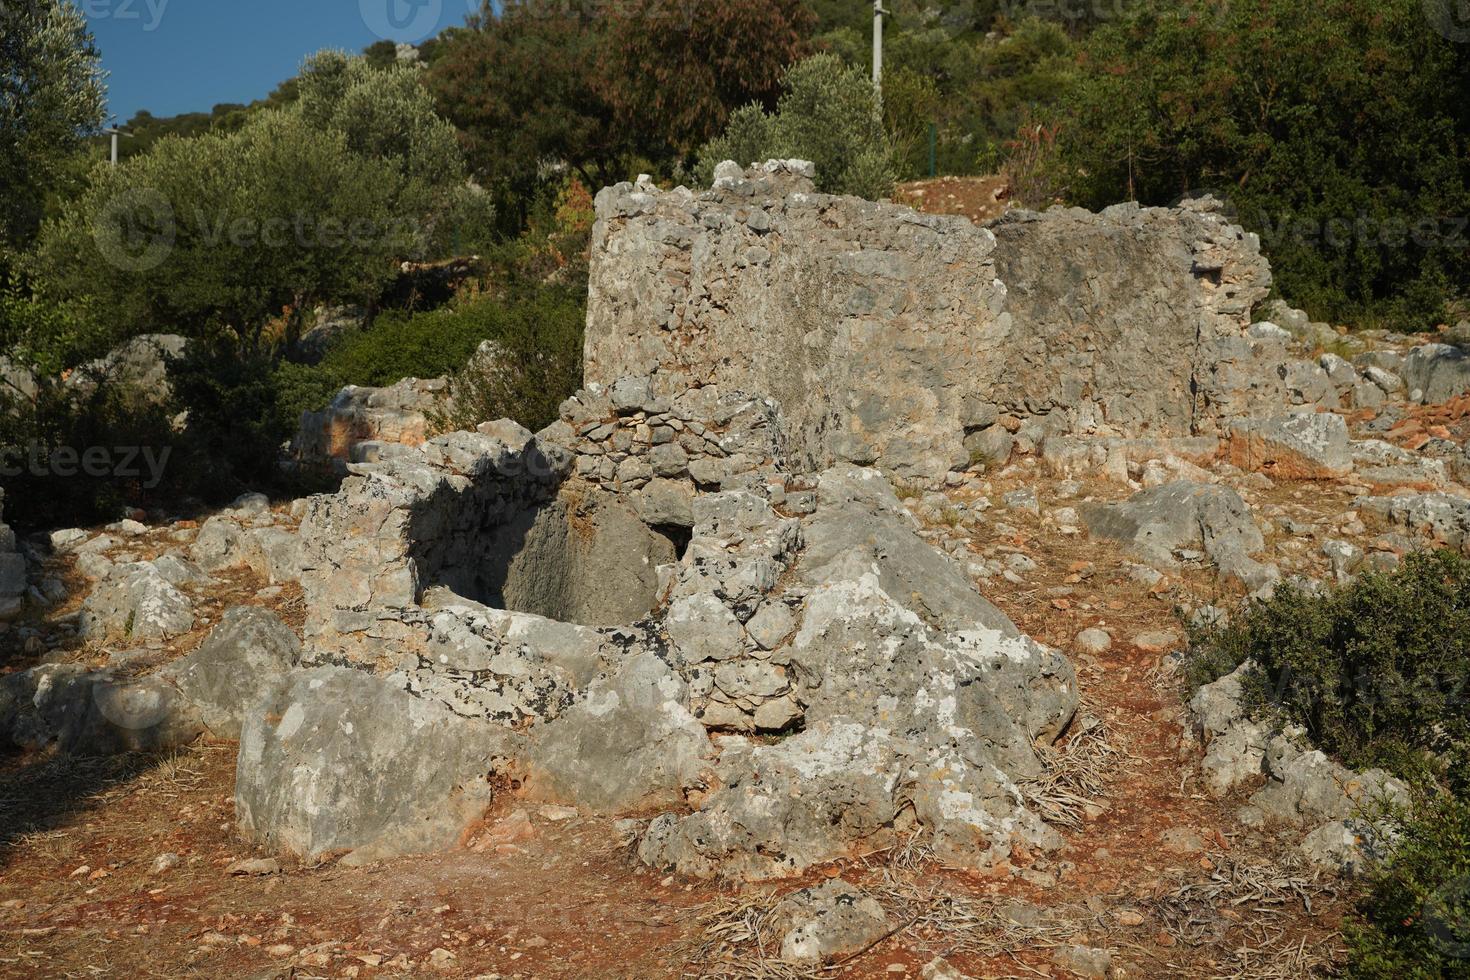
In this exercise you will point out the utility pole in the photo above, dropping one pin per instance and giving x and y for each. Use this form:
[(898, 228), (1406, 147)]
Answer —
[(114, 132), (878, 15)]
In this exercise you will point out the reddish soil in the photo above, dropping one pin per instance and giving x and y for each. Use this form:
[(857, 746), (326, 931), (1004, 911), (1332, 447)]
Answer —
[(980, 199), (77, 842)]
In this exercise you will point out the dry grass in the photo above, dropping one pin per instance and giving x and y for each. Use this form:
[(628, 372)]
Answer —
[(1251, 911), (736, 937), (1076, 773), (736, 940)]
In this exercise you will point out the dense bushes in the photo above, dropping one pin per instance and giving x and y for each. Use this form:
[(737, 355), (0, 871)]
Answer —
[(1338, 130), (535, 363), (1416, 913), (1378, 672), (51, 94), (44, 443), (536, 84), (828, 114)]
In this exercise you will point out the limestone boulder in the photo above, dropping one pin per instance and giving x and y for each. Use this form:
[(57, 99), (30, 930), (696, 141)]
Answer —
[(631, 742), (1436, 373), (89, 712), (821, 923), (334, 759), (136, 602), (139, 364), (1185, 516), (243, 657), (1302, 446)]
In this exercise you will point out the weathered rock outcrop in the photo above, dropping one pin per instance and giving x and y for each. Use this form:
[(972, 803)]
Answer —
[(338, 760), (139, 364), (1298, 786), (248, 652), (888, 335), (1436, 373), (359, 420), (1185, 520), (93, 712), (1302, 446), (590, 603)]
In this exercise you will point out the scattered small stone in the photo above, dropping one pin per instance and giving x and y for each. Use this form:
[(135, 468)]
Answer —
[(510, 829), (1024, 500), (1181, 840), (941, 969), (164, 863), (254, 867), (1156, 641), (1085, 961), (1094, 642)]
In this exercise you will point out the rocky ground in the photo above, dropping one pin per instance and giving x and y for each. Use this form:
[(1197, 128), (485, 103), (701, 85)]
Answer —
[(133, 866)]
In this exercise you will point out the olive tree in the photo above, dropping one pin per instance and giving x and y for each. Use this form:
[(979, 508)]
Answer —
[(828, 113), (51, 96)]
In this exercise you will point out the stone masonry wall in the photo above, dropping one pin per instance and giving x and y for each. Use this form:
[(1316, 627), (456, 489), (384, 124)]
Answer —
[(890, 335)]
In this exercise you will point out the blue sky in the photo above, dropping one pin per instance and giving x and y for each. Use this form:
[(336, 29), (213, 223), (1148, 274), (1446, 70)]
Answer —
[(172, 56)]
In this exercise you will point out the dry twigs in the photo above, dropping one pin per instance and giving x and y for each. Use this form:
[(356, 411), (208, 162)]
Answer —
[(1237, 897), (1075, 774)]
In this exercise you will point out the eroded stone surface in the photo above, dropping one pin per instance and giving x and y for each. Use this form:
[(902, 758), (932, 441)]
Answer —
[(336, 759), (835, 618), (901, 333)]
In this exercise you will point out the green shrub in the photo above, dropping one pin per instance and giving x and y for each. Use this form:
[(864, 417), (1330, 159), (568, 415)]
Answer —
[(1338, 131), (1377, 671), (72, 420), (240, 232), (50, 336), (235, 419), (828, 114), (1416, 913), (412, 345), (536, 366)]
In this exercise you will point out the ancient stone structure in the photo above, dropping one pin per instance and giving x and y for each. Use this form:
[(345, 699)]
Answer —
[(648, 570), (697, 597), (890, 336)]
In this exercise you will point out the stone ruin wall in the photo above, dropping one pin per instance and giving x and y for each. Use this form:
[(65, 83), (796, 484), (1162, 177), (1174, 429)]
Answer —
[(581, 523), (890, 336)]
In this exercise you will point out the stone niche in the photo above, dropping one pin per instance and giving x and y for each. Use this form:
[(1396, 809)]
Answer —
[(581, 524), (583, 556), (502, 525)]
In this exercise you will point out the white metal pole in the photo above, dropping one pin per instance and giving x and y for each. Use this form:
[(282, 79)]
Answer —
[(878, 47), (114, 147)]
